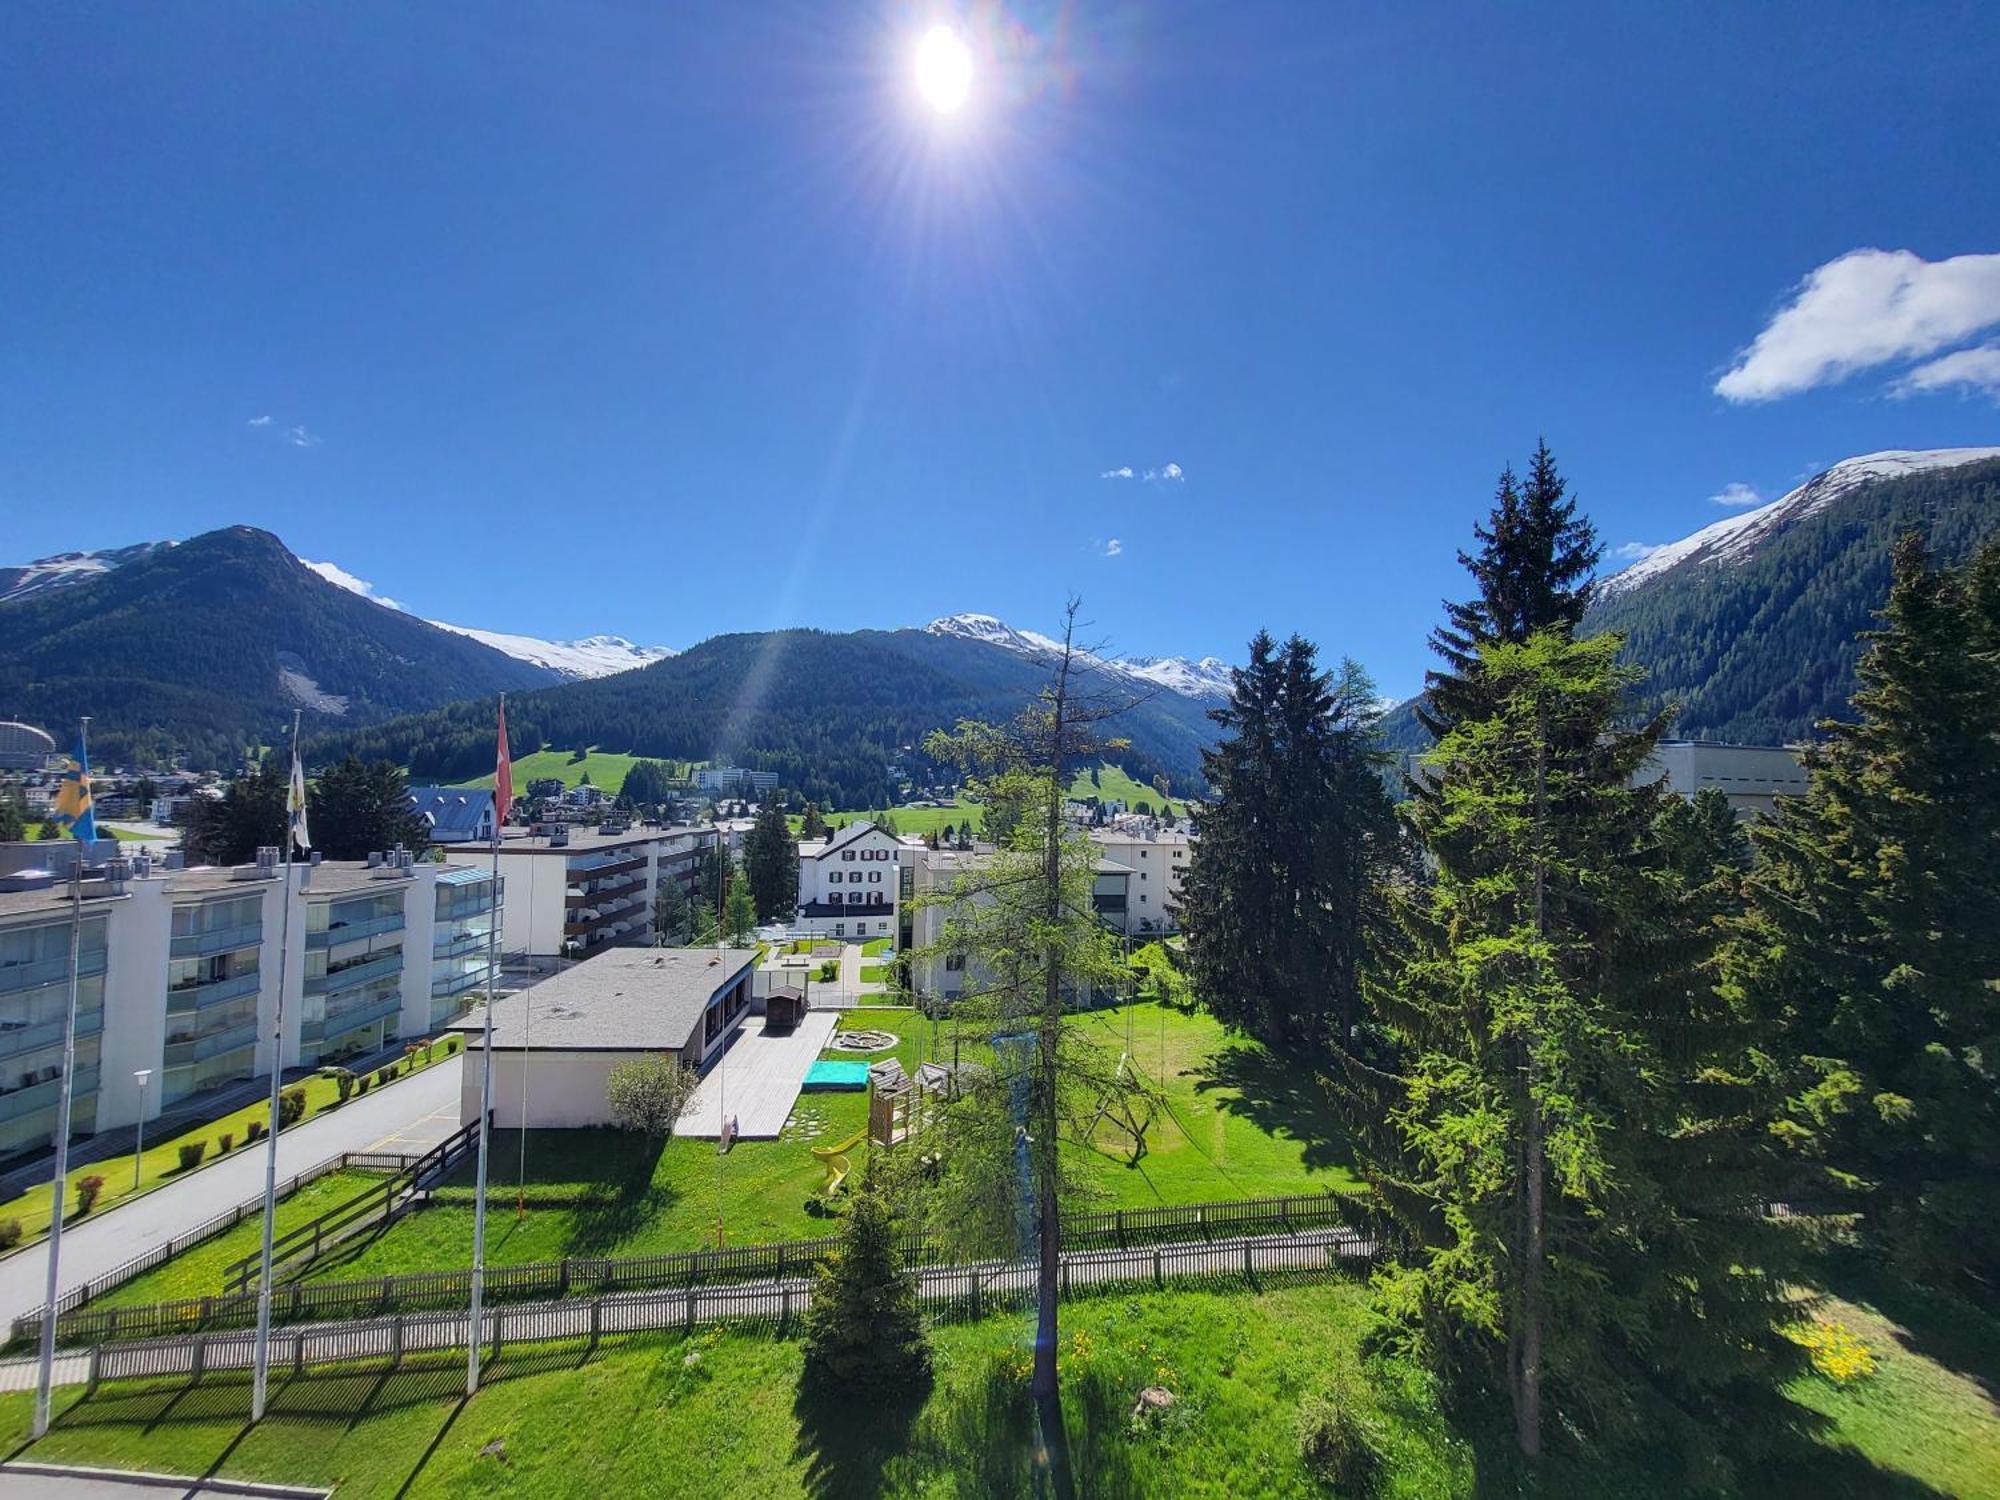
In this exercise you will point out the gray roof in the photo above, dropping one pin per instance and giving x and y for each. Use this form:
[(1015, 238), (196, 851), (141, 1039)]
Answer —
[(622, 1000), (455, 812)]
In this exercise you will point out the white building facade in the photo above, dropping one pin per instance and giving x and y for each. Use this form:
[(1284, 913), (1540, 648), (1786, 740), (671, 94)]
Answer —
[(856, 884)]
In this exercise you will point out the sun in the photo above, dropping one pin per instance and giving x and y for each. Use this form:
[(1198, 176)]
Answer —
[(944, 69)]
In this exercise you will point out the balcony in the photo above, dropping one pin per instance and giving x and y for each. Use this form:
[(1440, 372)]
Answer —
[(15, 1040), (214, 1044), (201, 996), (461, 946), (617, 864), (339, 1025), (347, 932), (32, 976), (40, 1096), (218, 940), (604, 891), (876, 907), (458, 984), (355, 974)]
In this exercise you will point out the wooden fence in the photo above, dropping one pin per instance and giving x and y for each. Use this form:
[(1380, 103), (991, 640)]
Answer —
[(591, 1276), (950, 1292)]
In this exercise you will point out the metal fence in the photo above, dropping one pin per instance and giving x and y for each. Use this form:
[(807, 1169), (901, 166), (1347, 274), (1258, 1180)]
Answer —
[(299, 1301), (951, 1293)]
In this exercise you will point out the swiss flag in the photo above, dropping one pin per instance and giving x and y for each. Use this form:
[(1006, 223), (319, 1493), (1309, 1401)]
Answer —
[(503, 776)]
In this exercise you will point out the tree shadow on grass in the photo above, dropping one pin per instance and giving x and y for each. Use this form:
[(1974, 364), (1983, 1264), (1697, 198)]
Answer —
[(621, 1199), (1281, 1098), (851, 1439), (1934, 1322)]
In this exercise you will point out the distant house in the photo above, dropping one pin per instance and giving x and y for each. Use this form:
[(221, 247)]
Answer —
[(851, 885), (736, 780), (454, 814)]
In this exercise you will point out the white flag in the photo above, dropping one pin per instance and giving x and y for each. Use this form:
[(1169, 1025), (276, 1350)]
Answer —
[(295, 806)]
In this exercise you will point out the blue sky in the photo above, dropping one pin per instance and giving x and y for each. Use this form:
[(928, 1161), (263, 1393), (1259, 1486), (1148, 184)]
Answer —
[(667, 320)]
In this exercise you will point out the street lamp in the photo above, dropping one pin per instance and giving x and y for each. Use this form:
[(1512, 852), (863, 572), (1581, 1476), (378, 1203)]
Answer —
[(140, 1076)]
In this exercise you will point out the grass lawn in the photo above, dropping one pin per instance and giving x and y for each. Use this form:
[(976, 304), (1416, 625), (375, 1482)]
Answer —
[(1113, 784), (875, 973), (1233, 1125), (876, 947), (161, 1163), (607, 769), (917, 821), (124, 835), (720, 1414)]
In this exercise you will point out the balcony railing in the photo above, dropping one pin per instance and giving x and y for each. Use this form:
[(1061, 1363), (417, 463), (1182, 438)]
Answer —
[(615, 864), (458, 984), (201, 996), (604, 891), (874, 908), (214, 1044), (40, 1096), (217, 940), (347, 932), (356, 974), (459, 946), (15, 1040), (350, 1020), (32, 976)]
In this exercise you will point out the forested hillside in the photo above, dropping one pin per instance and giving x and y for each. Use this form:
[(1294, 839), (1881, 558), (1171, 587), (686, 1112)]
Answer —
[(828, 712), (1759, 646), (200, 649)]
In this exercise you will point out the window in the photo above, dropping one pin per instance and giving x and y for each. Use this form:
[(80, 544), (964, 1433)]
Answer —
[(1142, 900), (875, 877), (847, 854), (1142, 874), (954, 963), (840, 929), (834, 878)]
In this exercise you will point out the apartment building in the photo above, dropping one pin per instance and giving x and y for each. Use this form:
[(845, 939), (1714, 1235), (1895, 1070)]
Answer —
[(178, 974), (576, 891), (1158, 860), (1752, 777), (857, 883), (734, 781)]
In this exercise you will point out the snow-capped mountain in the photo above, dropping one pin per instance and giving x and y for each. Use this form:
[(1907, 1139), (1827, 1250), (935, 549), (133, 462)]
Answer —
[(65, 568), (1207, 678), (1735, 538), (593, 656)]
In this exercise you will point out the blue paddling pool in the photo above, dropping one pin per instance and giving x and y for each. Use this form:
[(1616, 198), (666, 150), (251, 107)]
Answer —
[(824, 1075)]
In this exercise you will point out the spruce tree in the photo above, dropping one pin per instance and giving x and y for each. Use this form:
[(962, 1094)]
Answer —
[(865, 1328), (1532, 571), (771, 863), (1871, 942), (814, 825), (739, 910), (1570, 1141), (1285, 878), (672, 914), (357, 810)]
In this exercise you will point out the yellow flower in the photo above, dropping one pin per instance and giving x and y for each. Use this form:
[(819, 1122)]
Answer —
[(1834, 1350)]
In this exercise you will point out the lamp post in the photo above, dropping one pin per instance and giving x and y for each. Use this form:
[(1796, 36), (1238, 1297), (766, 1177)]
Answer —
[(140, 1076)]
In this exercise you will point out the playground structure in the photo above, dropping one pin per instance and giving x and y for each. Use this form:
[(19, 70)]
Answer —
[(837, 1163), (861, 1039), (901, 1106)]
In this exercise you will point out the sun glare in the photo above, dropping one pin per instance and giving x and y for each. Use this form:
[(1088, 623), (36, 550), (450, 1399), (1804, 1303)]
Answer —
[(944, 69)]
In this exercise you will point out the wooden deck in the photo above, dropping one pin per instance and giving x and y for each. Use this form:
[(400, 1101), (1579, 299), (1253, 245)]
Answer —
[(757, 1079)]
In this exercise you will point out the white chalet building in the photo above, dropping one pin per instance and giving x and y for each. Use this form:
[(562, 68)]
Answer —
[(852, 885)]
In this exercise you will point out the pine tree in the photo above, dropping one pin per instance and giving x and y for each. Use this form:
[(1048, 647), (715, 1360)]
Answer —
[(771, 864), (1571, 1140), (1871, 942), (356, 810), (230, 829), (672, 914), (739, 911), (814, 824), (865, 1327), (13, 820), (1284, 884), (1533, 572)]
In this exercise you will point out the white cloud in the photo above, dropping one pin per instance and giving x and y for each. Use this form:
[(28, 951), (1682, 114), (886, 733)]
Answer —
[(1171, 473), (298, 437), (1123, 471), (1737, 496), (1861, 309), (1113, 548), (334, 573), (264, 421), (1975, 369), (1636, 551)]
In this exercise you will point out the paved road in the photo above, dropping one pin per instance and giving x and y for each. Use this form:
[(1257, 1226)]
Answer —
[(30, 1480), (388, 1119)]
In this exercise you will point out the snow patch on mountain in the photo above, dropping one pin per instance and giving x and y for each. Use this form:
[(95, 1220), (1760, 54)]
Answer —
[(1737, 537), (1207, 678), (65, 568), (593, 656)]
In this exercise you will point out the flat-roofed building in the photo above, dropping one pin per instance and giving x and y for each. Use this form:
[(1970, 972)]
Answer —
[(1752, 777), (573, 892), (555, 1043)]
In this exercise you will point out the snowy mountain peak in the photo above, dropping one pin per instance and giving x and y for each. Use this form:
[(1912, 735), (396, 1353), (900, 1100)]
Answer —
[(65, 568), (1735, 538), (1207, 678), (593, 656)]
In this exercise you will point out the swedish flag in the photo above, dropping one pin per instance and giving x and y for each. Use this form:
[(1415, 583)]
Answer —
[(71, 811)]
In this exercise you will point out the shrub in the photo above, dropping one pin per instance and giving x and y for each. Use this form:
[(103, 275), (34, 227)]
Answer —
[(253, 1132), (191, 1153), (649, 1094), (362, 1085), (385, 1075), (291, 1105), (10, 1233), (343, 1080), (865, 1328), (1335, 1443), (224, 1141), (450, 1045), (87, 1190)]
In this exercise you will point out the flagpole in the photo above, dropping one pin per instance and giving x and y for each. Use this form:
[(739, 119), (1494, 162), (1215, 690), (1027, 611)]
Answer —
[(260, 1380), (475, 1325), (45, 1374)]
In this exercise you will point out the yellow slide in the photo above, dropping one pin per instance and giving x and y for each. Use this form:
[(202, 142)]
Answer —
[(834, 1159)]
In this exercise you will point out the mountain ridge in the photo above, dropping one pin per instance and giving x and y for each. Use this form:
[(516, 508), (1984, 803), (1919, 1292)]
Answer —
[(1207, 679)]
